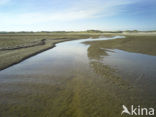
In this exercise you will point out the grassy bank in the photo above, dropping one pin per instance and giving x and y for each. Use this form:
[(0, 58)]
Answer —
[(16, 47), (74, 89), (137, 44)]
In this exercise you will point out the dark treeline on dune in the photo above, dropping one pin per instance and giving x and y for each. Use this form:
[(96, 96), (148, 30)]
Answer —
[(87, 31)]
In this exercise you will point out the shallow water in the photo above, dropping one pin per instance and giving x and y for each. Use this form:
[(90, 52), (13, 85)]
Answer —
[(131, 63), (138, 69), (65, 81)]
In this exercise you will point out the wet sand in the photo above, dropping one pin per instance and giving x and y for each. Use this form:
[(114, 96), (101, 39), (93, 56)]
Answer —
[(70, 80)]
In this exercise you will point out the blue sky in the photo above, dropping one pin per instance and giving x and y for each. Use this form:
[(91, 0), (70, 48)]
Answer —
[(52, 15)]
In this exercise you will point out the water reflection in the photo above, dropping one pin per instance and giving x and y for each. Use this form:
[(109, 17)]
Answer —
[(135, 68), (72, 79)]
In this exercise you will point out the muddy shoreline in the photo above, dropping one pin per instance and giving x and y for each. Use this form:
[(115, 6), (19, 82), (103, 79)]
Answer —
[(42, 42), (35, 53), (12, 56)]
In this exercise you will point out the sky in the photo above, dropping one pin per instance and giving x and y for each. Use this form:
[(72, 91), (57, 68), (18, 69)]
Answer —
[(76, 15)]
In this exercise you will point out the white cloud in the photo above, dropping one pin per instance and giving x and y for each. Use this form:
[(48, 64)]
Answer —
[(3, 2), (82, 9), (31, 18)]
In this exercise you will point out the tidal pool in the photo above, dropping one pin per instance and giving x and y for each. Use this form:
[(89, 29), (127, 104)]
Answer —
[(67, 82)]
